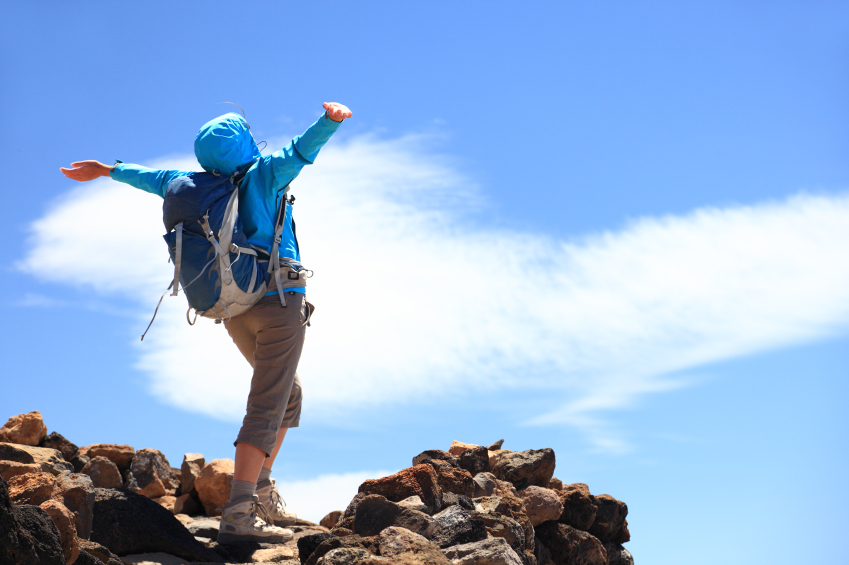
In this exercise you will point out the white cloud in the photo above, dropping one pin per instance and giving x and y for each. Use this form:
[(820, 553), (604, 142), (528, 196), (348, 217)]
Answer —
[(413, 303)]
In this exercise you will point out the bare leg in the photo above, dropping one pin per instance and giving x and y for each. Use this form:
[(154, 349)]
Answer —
[(269, 461), (249, 461)]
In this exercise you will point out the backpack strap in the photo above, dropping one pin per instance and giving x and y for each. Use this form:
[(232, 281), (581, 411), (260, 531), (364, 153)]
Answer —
[(178, 262), (274, 259)]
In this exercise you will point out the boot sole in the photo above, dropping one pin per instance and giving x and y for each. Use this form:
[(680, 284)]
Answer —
[(224, 538)]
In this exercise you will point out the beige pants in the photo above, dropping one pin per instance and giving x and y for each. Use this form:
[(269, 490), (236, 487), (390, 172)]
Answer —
[(271, 338)]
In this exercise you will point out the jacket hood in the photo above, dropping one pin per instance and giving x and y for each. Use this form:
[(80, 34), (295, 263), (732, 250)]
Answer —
[(225, 144)]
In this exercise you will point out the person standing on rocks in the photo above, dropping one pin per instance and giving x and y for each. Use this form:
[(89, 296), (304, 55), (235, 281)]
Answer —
[(269, 335)]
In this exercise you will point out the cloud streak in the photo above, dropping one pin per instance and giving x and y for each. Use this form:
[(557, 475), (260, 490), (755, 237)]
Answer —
[(414, 302)]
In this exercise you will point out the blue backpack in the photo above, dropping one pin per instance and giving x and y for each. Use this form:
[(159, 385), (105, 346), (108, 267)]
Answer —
[(221, 273)]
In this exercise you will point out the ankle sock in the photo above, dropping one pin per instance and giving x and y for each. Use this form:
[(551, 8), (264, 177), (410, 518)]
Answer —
[(264, 475), (238, 489)]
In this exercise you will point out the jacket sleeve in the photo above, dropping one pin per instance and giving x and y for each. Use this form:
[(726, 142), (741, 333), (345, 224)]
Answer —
[(284, 165), (154, 181)]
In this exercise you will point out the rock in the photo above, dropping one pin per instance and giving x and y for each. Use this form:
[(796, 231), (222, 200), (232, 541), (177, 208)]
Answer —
[(76, 492), (542, 554), (59, 443), (273, 554), (49, 460), (344, 556), (450, 499), (475, 460), (307, 544), (86, 558), (569, 545), (344, 527), (499, 526), (485, 484), (555, 484), (458, 481), (190, 470), (436, 455), (101, 553), (541, 504), (79, 462), (31, 489), (395, 541), (420, 480), (176, 478), (351, 509), (331, 519), (494, 455), (204, 528), (166, 502), (610, 518), (121, 455), (128, 523), (152, 472), (9, 469), (370, 545), (184, 519), (512, 507), (187, 504), (24, 429), (27, 534), (375, 513), (495, 446), (458, 447), (103, 472), (624, 536), (579, 507), (130, 482), (618, 555), (494, 551), (414, 503), (63, 519), (457, 527), (213, 484), (534, 467)]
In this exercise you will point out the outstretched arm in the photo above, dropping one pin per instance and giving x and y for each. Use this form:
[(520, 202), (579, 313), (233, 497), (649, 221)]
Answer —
[(154, 181), (86, 170)]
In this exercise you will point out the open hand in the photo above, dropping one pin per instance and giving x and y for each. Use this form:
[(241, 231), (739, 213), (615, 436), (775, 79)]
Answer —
[(86, 170), (337, 112)]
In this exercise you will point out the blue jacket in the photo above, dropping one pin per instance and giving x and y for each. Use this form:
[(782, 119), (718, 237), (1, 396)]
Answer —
[(224, 145)]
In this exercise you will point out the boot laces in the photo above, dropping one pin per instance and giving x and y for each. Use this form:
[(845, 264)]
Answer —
[(276, 499)]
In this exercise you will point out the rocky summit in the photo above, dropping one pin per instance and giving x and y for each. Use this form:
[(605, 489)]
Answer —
[(106, 504)]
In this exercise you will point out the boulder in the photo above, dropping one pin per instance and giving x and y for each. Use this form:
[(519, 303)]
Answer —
[(24, 429), (494, 455), (458, 447), (457, 527), (128, 523), (499, 526), (543, 556), (27, 534), (415, 503), (541, 504), (121, 455), (351, 509), (152, 472), (475, 460), (190, 470), (63, 519), (344, 527), (485, 484), (49, 460), (579, 507), (451, 479), (436, 455), (375, 513), (76, 492), (79, 462), (495, 446), (101, 553), (534, 467), (569, 545), (58, 442), (618, 555), (555, 484), (512, 507), (493, 551), (9, 469), (166, 502), (609, 521), (204, 528), (420, 481), (213, 485), (370, 545), (86, 558), (331, 518), (31, 489), (187, 504), (308, 543), (396, 541), (103, 472)]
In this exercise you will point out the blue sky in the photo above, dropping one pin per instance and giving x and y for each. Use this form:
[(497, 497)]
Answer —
[(614, 229)]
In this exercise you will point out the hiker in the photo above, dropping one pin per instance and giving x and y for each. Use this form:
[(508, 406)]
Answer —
[(269, 335)]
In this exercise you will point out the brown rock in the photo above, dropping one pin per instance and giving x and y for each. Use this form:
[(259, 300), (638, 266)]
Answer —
[(273, 555), (9, 469), (568, 545), (492, 551), (76, 492), (495, 446), (369, 545), (49, 460), (375, 513), (400, 545), (103, 472), (618, 555), (152, 473), (579, 507), (59, 443), (121, 455), (610, 519), (213, 485), (436, 455), (31, 489), (344, 527), (555, 484), (541, 504), (352, 506), (190, 470), (24, 429), (184, 519), (533, 467), (499, 526), (187, 504), (420, 481), (331, 519), (64, 520), (102, 553), (458, 481), (512, 507), (624, 535), (495, 454), (167, 502), (458, 447)]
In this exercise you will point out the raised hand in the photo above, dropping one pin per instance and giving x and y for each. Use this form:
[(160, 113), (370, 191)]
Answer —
[(337, 112), (86, 170)]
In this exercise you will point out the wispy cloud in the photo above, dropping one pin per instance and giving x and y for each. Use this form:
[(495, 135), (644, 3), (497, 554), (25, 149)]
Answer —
[(414, 302)]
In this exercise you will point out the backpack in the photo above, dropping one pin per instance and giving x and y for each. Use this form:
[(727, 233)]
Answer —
[(221, 273)]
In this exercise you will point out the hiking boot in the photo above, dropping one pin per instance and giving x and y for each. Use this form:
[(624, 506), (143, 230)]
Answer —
[(239, 522), (269, 498)]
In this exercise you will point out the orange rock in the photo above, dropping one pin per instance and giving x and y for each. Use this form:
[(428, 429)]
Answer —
[(50, 460), (213, 485), (76, 492), (64, 520), (121, 455), (24, 429), (458, 447), (494, 455), (420, 481), (9, 469), (34, 488), (331, 519), (166, 502)]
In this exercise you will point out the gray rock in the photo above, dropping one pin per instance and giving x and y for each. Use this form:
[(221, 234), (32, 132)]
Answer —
[(494, 551), (375, 513), (79, 462), (204, 528), (485, 484), (414, 503), (103, 472), (27, 534), (102, 554), (526, 468), (395, 541), (451, 499), (344, 556), (457, 527), (59, 443), (500, 526), (130, 482), (76, 492), (152, 472), (618, 555), (307, 544), (542, 554), (370, 545)]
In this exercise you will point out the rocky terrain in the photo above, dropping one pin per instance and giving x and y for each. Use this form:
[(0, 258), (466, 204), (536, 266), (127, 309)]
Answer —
[(472, 505)]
